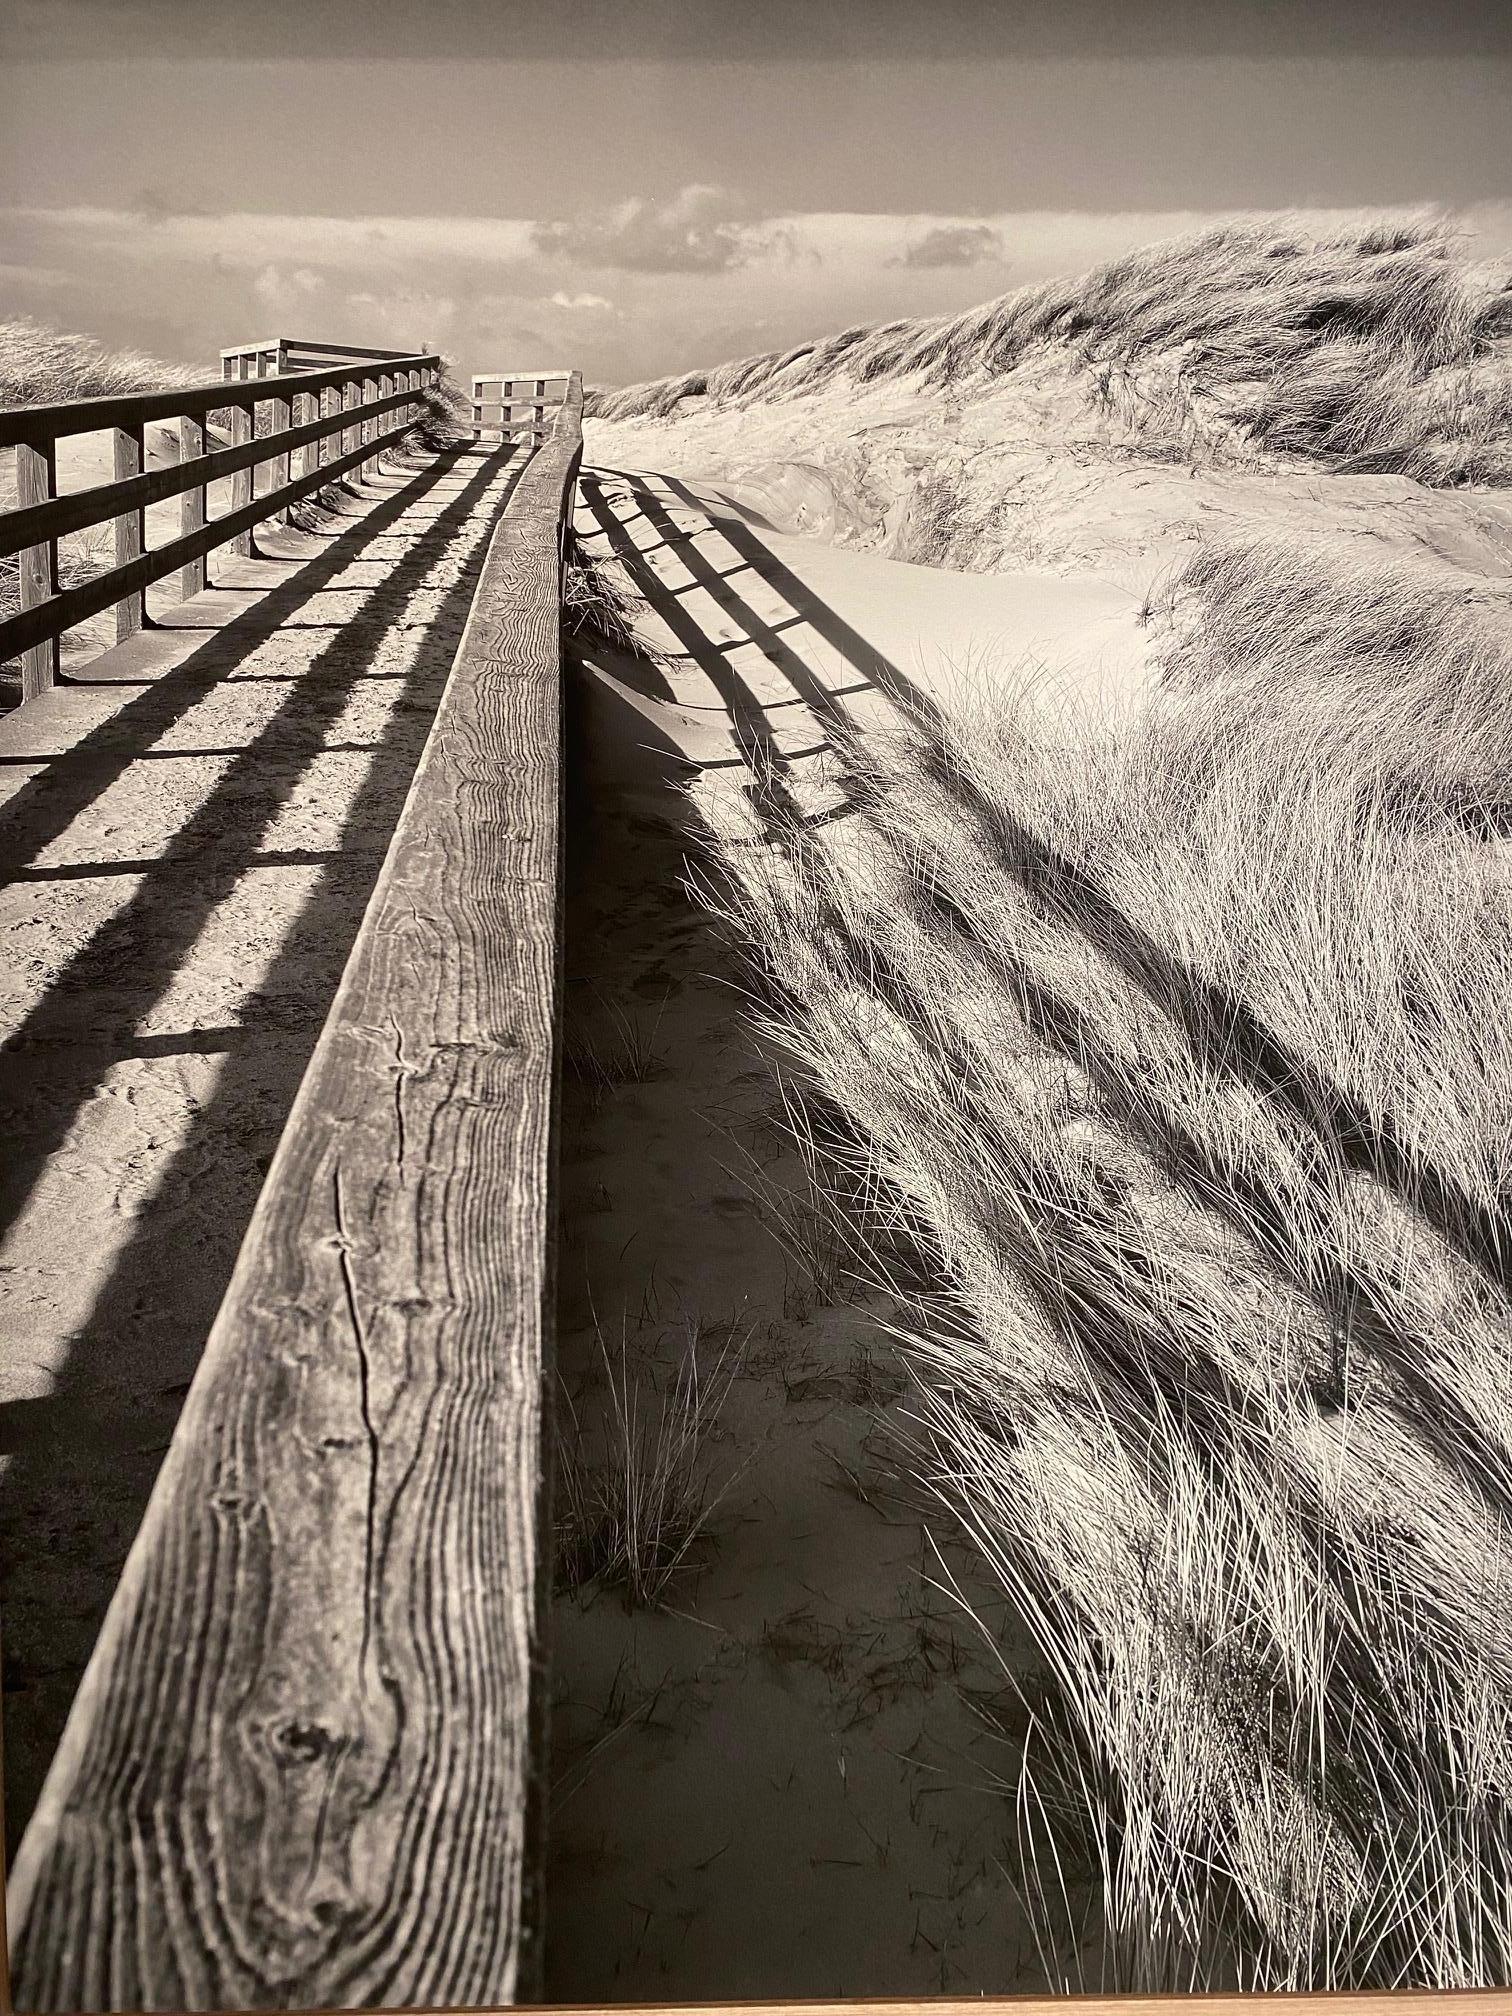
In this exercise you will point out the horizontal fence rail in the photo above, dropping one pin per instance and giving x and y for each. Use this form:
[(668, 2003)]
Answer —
[(505, 392), (40, 424), (330, 414), (303, 1766), (285, 353)]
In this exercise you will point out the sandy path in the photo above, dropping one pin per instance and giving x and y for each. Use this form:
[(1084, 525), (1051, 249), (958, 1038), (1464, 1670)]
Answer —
[(1084, 638), (189, 838), (781, 1785)]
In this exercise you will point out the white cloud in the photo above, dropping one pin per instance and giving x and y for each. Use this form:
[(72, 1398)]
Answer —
[(278, 287), (408, 315), (691, 281), (253, 238), (953, 245), (702, 229)]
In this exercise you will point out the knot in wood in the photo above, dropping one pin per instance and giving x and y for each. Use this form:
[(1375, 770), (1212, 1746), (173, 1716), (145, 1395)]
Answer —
[(301, 1743)]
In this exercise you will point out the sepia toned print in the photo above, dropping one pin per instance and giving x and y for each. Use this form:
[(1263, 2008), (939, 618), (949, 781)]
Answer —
[(754, 1228)]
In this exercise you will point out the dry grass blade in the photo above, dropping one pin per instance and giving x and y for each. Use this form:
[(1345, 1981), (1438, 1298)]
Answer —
[(636, 1483), (624, 1051), (1183, 1039), (1375, 346)]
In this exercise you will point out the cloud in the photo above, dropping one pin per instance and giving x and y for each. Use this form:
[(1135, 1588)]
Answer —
[(35, 276), (699, 279), (248, 238), (153, 207), (702, 229), (952, 245), (406, 315), (277, 288)]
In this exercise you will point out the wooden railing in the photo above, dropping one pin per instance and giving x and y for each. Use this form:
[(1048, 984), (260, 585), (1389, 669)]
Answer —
[(340, 416), (274, 357), (302, 1767), (504, 394)]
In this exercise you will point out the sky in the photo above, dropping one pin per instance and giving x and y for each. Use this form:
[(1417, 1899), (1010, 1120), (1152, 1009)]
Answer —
[(641, 186)]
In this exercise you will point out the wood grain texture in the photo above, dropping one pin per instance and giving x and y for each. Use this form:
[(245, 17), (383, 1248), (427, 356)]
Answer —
[(37, 570), (130, 530), (306, 412), (295, 347), (53, 518), (40, 424), (74, 605), (296, 1773), (192, 511), (243, 428), (330, 405), (368, 392), (278, 465)]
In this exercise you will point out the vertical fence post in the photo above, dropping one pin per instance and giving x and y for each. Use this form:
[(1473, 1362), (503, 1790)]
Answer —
[(323, 409), (259, 470), (192, 575), (36, 481), (299, 413), (282, 417), (349, 433), (538, 415), (243, 426), (369, 428), (130, 530), (385, 391)]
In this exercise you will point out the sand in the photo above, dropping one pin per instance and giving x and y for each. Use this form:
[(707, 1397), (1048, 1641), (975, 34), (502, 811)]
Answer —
[(781, 1782), (1032, 472), (785, 1779), (789, 1779), (87, 460)]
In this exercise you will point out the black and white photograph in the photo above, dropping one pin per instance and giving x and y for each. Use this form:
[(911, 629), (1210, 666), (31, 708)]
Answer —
[(756, 1005)]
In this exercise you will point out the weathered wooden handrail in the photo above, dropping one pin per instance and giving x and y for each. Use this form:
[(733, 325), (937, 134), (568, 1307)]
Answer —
[(367, 393), (271, 357), (79, 509), (293, 348), (40, 424), (301, 1768)]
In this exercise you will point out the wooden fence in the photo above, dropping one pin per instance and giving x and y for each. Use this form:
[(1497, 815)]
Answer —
[(302, 1766), (498, 397), (340, 417)]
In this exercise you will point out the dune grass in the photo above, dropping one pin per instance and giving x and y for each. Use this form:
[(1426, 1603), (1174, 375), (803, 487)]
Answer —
[(598, 601), (1181, 1042), (635, 1484), (1381, 346), (40, 366)]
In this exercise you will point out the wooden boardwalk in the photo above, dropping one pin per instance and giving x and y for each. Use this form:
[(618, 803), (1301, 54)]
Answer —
[(280, 878), (300, 1767)]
